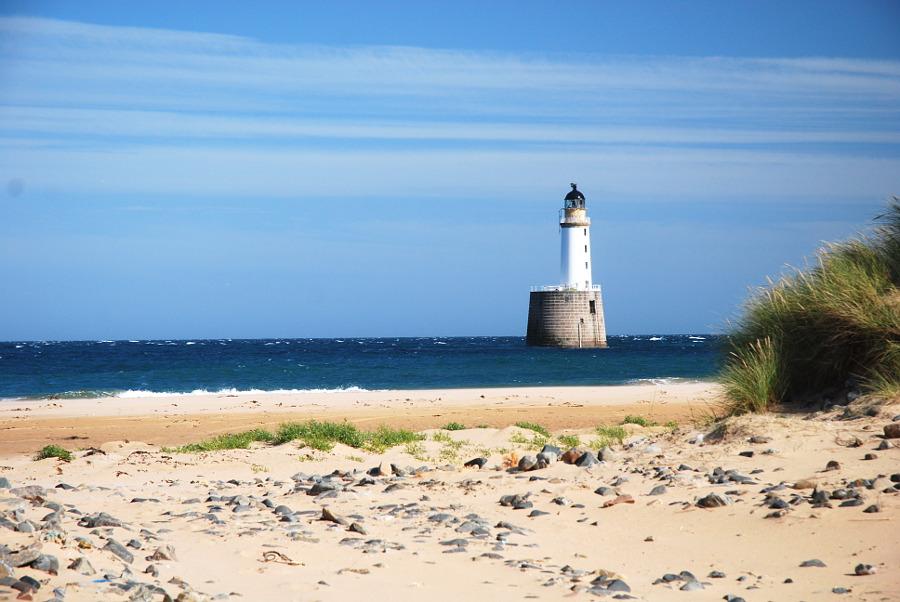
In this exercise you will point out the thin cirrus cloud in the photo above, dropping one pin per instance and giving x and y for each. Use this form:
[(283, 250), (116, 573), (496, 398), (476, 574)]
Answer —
[(93, 109)]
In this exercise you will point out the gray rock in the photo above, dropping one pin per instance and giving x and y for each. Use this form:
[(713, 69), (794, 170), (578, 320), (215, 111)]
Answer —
[(328, 515), (814, 562), (4, 483), (587, 459), (865, 569), (714, 500), (840, 590), (545, 460), (527, 463), (603, 490), (26, 526), (535, 513), (357, 528), (691, 586), (716, 575), (102, 519), (658, 490), (117, 549), (24, 556), (162, 553), (47, 563), (476, 463), (551, 450), (607, 455), (82, 566)]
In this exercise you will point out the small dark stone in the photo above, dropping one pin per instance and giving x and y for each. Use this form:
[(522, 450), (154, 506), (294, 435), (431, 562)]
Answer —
[(4, 483), (833, 465), (476, 463), (717, 575), (746, 454), (658, 490), (865, 569), (870, 456), (119, 550), (892, 430), (840, 590), (850, 503), (535, 513), (47, 563), (328, 515), (586, 459), (713, 500), (872, 509), (815, 562)]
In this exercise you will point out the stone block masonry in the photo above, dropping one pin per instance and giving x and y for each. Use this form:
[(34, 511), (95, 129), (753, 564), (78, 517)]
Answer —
[(566, 318)]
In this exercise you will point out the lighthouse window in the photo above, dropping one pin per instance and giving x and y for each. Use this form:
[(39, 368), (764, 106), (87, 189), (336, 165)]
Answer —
[(593, 306), (585, 248), (585, 231), (585, 265)]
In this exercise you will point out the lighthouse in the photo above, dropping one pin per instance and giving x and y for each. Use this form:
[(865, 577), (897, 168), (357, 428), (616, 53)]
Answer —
[(569, 314)]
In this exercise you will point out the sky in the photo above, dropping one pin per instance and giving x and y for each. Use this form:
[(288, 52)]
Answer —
[(288, 169)]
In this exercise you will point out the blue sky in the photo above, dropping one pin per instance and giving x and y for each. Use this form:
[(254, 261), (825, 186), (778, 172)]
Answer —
[(213, 169)]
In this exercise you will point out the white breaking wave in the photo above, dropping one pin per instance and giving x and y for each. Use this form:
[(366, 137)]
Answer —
[(131, 393)]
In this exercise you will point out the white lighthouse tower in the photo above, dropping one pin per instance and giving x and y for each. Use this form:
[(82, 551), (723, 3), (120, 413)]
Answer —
[(575, 236), (569, 314)]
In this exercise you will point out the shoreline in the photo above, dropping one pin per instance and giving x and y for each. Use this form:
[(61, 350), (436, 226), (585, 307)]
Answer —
[(28, 425)]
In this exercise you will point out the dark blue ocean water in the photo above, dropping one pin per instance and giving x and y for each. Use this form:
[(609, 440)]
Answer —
[(91, 368)]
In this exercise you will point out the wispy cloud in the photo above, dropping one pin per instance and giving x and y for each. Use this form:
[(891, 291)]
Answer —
[(91, 108)]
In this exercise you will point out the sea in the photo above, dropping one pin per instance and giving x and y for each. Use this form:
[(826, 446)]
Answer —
[(73, 369)]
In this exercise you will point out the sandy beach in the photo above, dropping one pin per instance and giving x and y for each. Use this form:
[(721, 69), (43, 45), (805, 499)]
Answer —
[(665, 514), (28, 425)]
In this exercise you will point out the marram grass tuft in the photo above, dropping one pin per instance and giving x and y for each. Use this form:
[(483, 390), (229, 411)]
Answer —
[(831, 327)]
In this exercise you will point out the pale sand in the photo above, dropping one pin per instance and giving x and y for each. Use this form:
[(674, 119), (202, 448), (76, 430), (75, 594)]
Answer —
[(641, 541), (26, 426)]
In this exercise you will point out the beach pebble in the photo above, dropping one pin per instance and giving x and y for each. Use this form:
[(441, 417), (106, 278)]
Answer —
[(118, 550), (162, 553), (4, 483), (833, 465), (658, 490), (47, 563), (892, 430), (840, 590), (82, 566), (587, 459), (870, 456), (527, 463), (329, 516), (814, 562), (603, 490), (865, 569), (713, 500), (607, 455), (476, 463), (885, 444)]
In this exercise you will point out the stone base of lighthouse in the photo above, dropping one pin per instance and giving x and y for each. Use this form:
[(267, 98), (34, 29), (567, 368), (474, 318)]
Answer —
[(566, 318)]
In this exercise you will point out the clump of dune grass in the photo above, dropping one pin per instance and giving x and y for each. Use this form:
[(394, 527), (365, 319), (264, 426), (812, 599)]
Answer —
[(385, 437), (54, 451), (609, 435), (454, 426), (240, 440), (532, 426), (639, 420), (825, 329), (569, 441)]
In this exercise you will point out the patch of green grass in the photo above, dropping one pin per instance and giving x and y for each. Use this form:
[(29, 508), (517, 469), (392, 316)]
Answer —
[(569, 441), (817, 329), (441, 438), (54, 451), (536, 442), (454, 426), (384, 437), (609, 435), (240, 440), (532, 426), (417, 451), (639, 420), (317, 435), (671, 425), (320, 435)]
